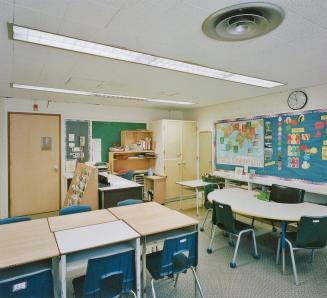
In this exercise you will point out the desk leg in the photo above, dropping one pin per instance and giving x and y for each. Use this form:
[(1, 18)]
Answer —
[(102, 199), (197, 201), (62, 276), (144, 267), (138, 267), (283, 245)]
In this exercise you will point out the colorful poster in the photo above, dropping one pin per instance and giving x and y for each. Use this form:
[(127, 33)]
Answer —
[(246, 138)]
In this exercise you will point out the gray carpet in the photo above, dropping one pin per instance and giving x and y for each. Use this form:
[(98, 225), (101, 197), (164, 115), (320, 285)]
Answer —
[(251, 278)]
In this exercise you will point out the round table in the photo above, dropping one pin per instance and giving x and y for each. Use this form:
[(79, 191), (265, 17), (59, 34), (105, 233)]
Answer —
[(245, 202)]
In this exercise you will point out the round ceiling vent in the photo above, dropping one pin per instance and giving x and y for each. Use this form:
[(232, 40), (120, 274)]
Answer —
[(243, 21)]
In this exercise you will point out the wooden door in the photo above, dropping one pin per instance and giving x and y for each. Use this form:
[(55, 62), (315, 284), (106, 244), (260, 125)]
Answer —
[(34, 163), (205, 152), (172, 156)]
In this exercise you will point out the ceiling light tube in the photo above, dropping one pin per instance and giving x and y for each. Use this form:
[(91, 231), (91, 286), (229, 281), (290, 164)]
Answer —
[(105, 95), (72, 44)]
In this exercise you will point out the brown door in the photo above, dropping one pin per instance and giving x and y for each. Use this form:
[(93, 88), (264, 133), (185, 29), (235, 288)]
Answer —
[(34, 163)]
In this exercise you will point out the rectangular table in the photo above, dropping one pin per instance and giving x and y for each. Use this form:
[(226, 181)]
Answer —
[(26, 242), (58, 223), (154, 223), (119, 189), (78, 245), (196, 185)]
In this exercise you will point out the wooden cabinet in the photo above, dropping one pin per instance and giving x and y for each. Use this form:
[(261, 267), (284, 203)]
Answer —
[(156, 184), (176, 148), (138, 155)]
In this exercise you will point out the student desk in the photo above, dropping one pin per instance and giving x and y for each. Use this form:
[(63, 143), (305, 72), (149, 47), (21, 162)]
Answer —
[(78, 245), (244, 202), (28, 242), (196, 185), (119, 189), (154, 223), (77, 220)]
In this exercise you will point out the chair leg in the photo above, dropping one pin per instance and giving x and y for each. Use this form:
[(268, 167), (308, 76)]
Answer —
[(134, 295), (312, 255), (273, 227), (205, 219), (232, 264), (152, 288), (293, 262), (278, 251), (176, 280), (197, 281), (209, 249), (256, 255)]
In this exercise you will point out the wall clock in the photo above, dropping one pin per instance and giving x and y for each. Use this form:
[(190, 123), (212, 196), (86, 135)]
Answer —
[(297, 100)]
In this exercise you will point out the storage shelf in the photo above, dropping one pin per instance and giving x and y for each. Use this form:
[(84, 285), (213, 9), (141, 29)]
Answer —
[(132, 152)]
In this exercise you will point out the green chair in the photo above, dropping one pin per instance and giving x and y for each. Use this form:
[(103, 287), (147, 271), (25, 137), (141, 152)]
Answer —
[(207, 204), (311, 234), (223, 218)]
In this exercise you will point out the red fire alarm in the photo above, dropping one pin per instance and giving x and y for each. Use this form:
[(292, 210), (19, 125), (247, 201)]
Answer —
[(35, 107)]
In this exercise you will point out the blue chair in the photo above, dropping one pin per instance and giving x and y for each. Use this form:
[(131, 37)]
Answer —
[(311, 235), (129, 202), (178, 255), (32, 285), (74, 209), (129, 175), (109, 277), (10, 220), (223, 218)]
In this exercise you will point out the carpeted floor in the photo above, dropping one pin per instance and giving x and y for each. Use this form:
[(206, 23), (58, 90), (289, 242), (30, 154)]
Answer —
[(251, 278)]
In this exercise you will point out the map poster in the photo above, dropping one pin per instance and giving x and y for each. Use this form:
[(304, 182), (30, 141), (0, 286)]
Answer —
[(240, 143)]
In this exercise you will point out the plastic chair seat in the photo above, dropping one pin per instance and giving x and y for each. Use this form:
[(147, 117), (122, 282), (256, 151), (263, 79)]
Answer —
[(153, 262), (78, 284), (241, 226)]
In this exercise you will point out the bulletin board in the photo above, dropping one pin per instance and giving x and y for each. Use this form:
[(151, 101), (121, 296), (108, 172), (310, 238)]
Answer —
[(109, 133), (294, 146), (75, 132)]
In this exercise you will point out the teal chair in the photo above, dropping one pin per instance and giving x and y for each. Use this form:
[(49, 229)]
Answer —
[(311, 234), (129, 202), (10, 220), (129, 175), (223, 218), (207, 204), (74, 209)]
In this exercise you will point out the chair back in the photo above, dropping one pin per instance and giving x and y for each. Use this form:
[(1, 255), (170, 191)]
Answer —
[(110, 276), (208, 189), (285, 194), (222, 216), (312, 232), (74, 209), (10, 220), (129, 175), (35, 285), (179, 254), (129, 202)]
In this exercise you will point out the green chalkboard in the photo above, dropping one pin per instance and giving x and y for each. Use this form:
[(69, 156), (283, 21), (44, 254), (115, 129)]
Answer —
[(109, 133)]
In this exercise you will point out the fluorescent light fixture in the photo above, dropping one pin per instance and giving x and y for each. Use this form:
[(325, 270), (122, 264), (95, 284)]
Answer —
[(88, 93), (82, 46)]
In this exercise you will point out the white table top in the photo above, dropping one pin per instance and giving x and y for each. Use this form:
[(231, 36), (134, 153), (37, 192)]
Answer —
[(193, 183), (82, 238), (308, 187), (117, 182), (244, 202)]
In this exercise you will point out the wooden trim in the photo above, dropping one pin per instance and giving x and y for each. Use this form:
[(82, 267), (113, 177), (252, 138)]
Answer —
[(8, 145)]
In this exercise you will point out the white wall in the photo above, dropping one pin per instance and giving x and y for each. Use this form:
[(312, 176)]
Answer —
[(68, 111), (272, 104)]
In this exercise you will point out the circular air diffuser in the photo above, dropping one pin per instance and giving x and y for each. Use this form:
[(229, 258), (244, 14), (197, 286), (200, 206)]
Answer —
[(243, 21)]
